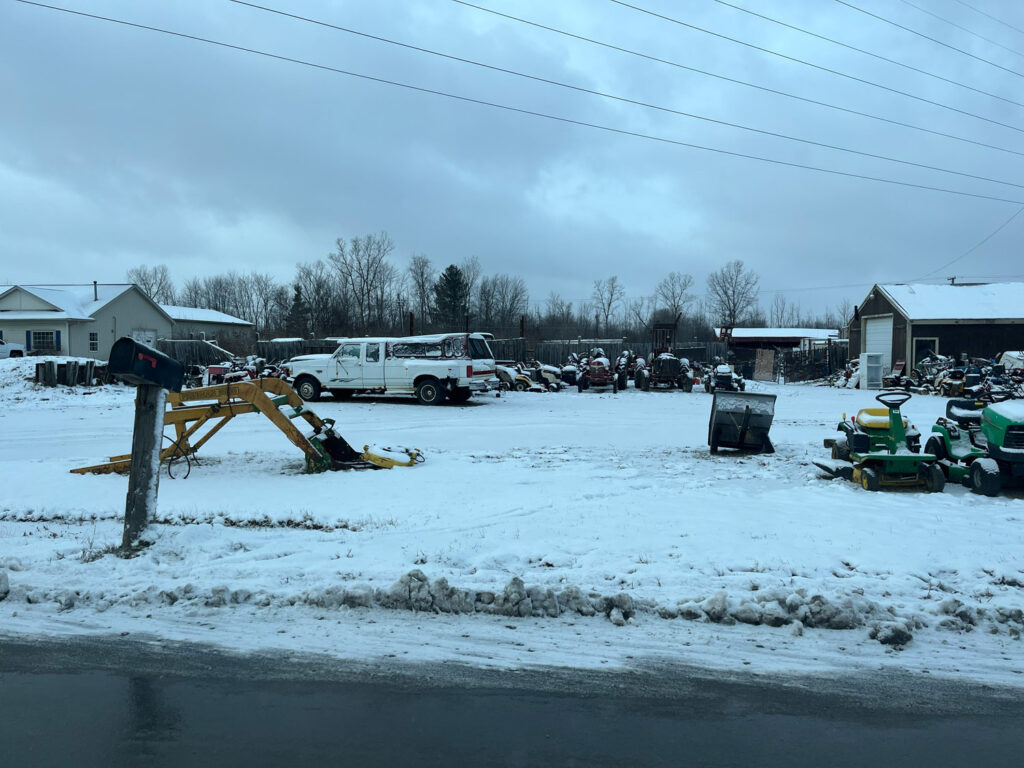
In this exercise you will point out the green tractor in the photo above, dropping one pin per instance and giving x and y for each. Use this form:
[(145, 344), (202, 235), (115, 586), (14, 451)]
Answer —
[(879, 448), (980, 445)]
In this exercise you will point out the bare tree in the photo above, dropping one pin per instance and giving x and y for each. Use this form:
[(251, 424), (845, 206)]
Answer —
[(362, 268), (471, 272), (422, 277), (777, 311), (607, 296), (323, 299), (673, 294), (732, 293), (155, 282)]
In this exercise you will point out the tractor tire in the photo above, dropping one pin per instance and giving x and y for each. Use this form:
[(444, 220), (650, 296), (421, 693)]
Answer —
[(936, 446), (308, 389), (985, 477), (430, 392), (934, 478), (623, 379), (579, 386), (841, 449), (869, 479)]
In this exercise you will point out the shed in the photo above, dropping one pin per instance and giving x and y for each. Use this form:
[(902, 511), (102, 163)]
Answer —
[(223, 329), (908, 321)]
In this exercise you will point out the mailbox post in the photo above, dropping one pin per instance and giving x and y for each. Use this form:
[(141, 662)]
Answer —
[(154, 375)]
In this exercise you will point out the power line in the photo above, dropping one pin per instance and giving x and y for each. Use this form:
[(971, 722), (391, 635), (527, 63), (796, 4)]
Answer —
[(977, 245), (623, 99), (868, 53), (990, 16), (970, 32), (738, 82), (519, 110), (932, 39), (814, 66)]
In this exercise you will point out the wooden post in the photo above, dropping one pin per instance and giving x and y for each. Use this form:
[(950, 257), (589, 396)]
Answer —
[(522, 326), (412, 323), (50, 373), (145, 468), (467, 323), (71, 373)]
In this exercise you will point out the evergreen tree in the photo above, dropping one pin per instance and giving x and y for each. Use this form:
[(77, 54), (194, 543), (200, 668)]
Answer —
[(451, 298), (297, 322)]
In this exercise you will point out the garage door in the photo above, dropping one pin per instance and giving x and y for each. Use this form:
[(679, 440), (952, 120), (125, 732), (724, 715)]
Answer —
[(878, 338)]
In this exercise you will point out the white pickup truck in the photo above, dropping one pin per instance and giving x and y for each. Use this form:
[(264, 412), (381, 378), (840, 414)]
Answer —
[(10, 349), (433, 368)]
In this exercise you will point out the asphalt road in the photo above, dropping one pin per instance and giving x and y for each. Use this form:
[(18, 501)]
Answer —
[(111, 702)]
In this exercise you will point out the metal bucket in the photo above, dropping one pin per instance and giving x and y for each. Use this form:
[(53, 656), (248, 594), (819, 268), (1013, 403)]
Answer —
[(741, 420)]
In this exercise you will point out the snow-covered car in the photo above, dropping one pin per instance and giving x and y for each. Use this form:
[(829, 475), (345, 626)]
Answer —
[(433, 368), (10, 349)]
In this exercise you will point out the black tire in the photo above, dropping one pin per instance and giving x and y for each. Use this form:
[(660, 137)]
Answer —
[(934, 478), (623, 379), (308, 389), (17, 353), (869, 479), (985, 477), (841, 449), (686, 384), (342, 394), (936, 446), (460, 394), (430, 392), (579, 386)]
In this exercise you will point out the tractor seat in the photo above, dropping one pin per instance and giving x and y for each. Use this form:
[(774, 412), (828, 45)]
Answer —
[(875, 418)]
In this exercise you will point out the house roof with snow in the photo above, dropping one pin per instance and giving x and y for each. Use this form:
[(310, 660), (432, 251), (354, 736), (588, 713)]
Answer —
[(195, 315), (67, 302), (925, 301)]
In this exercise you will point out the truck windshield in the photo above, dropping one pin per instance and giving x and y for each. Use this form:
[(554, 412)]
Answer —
[(478, 350)]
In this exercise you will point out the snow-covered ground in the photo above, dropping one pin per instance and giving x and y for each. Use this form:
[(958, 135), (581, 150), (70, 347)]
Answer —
[(587, 530)]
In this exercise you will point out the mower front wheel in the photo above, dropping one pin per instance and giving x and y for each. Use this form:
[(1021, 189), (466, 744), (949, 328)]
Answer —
[(985, 477), (869, 479), (841, 449), (934, 478)]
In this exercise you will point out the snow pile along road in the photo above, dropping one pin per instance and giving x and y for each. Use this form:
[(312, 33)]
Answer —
[(599, 526)]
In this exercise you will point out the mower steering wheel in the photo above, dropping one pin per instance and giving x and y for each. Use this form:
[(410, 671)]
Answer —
[(893, 398)]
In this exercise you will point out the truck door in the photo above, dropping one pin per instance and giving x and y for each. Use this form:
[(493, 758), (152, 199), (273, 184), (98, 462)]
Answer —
[(373, 365), (347, 366)]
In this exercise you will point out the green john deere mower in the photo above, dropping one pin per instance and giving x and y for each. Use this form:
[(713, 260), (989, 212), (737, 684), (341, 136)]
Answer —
[(878, 449), (979, 444)]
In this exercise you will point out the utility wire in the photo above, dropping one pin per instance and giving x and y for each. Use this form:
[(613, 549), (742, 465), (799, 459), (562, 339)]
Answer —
[(519, 110), (926, 37), (814, 66), (976, 246), (990, 16), (738, 82), (970, 32), (602, 94), (869, 53)]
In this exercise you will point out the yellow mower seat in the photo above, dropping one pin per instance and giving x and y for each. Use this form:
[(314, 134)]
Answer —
[(875, 418)]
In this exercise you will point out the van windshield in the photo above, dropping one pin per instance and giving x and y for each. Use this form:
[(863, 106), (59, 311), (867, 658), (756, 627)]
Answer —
[(478, 350)]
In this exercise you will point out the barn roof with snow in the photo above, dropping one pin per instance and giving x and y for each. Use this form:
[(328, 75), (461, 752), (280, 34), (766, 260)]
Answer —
[(923, 301)]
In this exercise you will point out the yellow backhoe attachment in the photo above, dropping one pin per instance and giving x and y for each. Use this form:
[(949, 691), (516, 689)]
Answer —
[(192, 410)]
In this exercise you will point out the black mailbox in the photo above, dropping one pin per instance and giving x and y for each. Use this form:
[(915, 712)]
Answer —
[(140, 364)]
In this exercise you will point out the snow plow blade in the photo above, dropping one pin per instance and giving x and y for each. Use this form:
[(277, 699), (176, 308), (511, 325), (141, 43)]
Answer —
[(192, 410), (841, 471)]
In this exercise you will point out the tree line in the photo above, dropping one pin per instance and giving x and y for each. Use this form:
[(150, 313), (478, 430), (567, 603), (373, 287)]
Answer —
[(360, 288)]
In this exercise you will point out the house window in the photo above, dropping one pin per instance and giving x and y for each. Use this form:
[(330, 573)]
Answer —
[(44, 341), (94, 341)]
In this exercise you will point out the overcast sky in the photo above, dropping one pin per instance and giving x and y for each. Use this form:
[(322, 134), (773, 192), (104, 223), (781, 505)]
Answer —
[(122, 146)]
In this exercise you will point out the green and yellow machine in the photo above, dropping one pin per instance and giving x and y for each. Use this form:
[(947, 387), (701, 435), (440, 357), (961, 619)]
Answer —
[(980, 444), (878, 449)]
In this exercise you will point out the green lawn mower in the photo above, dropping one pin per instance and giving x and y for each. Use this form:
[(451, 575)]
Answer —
[(980, 445), (878, 448)]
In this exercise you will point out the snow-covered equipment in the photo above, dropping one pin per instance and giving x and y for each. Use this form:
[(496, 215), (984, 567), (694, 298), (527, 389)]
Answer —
[(192, 411), (511, 378), (876, 449), (596, 371), (741, 420), (547, 376), (979, 444), (722, 377)]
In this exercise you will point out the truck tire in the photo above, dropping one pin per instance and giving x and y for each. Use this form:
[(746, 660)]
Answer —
[(985, 477), (308, 389), (460, 394), (430, 392)]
